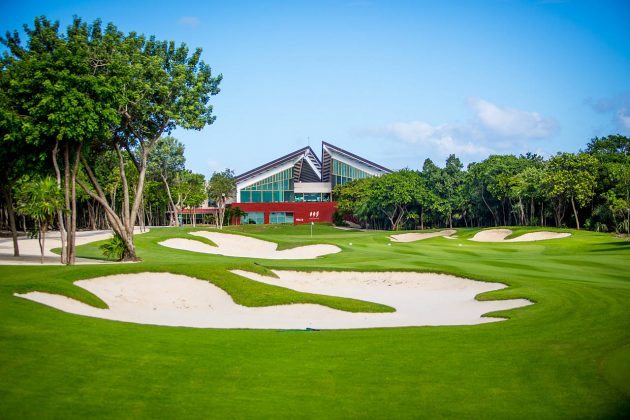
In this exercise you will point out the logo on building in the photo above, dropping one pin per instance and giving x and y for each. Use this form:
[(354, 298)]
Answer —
[(314, 215)]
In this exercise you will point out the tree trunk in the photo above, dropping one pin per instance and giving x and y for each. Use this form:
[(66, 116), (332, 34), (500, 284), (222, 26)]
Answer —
[(60, 221), (221, 212), (124, 225), (73, 210), (577, 221), (91, 215), (494, 216), (66, 194), (559, 211), (170, 201), (8, 200), (421, 218), (41, 240)]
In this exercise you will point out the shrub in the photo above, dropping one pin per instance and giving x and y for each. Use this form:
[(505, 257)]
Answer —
[(337, 219), (114, 248)]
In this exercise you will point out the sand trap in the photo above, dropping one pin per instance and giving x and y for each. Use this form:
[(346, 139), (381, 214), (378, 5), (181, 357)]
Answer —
[(30, 253), (418, 236), (244, 246), (175, 300), (498, 235)]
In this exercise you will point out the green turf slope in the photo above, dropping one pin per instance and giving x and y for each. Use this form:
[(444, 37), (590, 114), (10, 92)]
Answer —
[(564, 357)]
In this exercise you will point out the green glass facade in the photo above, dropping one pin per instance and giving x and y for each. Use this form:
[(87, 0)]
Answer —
[(280, 217), (253, 218), (342, 173), (277, 188)]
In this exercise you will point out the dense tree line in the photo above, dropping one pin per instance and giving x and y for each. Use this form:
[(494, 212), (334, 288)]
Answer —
[(90, 106), (588, 189)]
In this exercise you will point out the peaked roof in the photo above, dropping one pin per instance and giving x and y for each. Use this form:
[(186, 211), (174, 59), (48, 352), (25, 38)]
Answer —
[(305, 151), (339, 150)]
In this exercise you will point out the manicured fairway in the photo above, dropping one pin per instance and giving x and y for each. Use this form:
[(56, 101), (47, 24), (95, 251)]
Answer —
[(567, 356)]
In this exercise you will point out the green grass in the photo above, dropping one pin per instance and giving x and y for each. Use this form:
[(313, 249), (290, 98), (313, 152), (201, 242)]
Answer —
[(567, 356)]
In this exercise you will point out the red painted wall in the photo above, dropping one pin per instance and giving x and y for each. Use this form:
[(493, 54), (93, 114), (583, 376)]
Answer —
[(302, 212)]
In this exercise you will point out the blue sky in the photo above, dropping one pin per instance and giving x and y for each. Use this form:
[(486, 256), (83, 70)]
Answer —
[(393, 81)]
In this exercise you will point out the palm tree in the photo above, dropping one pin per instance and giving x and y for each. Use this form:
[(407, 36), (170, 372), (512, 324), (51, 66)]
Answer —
[(40, 199)]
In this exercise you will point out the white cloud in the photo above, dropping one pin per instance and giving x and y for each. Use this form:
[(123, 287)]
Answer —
[(510, 122), (491, 129), (445, 139), (190, 21), (618, 107)]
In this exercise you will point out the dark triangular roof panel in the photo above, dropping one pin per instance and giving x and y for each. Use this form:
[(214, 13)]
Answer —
[(308, 174)]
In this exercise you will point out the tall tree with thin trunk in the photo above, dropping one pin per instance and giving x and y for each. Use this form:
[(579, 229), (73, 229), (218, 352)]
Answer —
[(159, 86), (571, 177), (167, 160), (221, 187)]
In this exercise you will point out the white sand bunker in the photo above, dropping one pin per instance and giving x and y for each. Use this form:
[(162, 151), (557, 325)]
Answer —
[(175, 300), (244, 246), (418, 236), (499, 235)]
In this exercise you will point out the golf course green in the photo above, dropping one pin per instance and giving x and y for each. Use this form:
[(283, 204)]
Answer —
[(566, 356)]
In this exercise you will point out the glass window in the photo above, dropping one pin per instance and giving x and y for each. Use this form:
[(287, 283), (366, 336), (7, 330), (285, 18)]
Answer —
[(271, 189), (253, 218), (325, 196), (299, 197), (280, 217)]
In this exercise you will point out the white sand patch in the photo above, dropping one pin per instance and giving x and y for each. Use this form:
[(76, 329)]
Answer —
[(244, 246), (499, 235), (176, 300), (418, 236), (30, 252)]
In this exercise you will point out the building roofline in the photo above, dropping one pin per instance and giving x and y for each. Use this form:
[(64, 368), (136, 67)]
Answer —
[(353, 156), (276, 162)]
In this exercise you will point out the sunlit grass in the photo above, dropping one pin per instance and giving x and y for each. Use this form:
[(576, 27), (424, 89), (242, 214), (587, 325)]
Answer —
[(563, 357)]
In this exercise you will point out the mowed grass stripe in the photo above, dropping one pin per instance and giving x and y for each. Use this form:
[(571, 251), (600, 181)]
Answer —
[(550, 360)]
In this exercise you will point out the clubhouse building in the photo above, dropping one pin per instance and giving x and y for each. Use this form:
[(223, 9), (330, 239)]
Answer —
[(297, 188)]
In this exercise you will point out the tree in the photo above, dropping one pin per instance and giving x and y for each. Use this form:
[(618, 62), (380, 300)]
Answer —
[(613, 183), (528, 185), (165, 163), (221, 187), (190, 189), (446, 188), (92, 90), (164, 88), (40, 199), (61, 99), (571, 177), (393, 195), (233, 213)]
